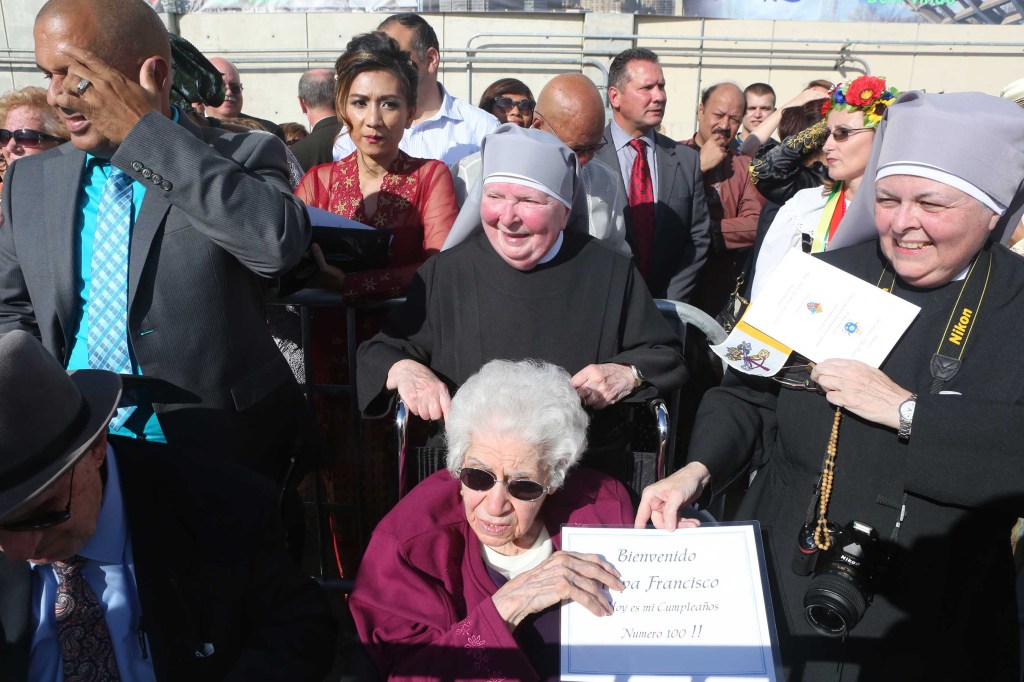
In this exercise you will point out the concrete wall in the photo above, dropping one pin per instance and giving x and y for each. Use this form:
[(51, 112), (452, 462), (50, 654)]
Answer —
[(272, 50)]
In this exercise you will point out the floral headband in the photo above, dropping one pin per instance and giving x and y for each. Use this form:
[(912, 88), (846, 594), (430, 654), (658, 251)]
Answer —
[(866, 93)]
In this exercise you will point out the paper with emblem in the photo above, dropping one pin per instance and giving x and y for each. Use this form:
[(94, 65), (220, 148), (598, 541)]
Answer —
[(820, 312), (749, 351), (695, 607)]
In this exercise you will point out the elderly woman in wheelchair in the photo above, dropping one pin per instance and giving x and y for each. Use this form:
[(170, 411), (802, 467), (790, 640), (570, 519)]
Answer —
[(462, 579), (521, 278)]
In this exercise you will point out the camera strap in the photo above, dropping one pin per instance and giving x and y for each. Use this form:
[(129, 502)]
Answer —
[(945, 364), (946, 361), (900, 507)]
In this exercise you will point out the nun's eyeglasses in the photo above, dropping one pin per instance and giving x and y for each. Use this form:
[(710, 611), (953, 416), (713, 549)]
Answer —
[(795, 384), (842, 133)]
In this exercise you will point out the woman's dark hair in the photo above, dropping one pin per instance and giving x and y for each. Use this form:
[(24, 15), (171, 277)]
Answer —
[(795, 119), (504, 86), (368, 52)]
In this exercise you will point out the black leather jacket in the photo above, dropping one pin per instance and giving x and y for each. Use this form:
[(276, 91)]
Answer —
[(779, 172)]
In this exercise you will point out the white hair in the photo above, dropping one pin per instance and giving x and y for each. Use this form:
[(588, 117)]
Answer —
[(531, 399)]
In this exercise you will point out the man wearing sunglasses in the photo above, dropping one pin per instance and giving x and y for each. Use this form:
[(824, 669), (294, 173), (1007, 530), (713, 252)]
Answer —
[(123, 560), (570, 108), (143, 247), (232, 105)]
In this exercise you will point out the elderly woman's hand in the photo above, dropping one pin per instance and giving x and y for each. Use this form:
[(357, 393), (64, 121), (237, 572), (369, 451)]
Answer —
[(602, 385), (861, 389), (660, 501), (423, 393), (582, 578)]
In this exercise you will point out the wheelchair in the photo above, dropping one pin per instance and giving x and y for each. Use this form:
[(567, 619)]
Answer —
[(652, 442)]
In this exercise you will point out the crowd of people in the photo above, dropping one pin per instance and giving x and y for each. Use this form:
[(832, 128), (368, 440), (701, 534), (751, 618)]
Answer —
[(153, 436)]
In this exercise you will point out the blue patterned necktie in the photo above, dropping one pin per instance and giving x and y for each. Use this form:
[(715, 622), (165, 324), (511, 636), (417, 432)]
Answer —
[(85, 644), (108, 291)]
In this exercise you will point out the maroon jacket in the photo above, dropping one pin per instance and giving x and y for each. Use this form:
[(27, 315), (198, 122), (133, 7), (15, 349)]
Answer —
[(733, 201), (422, 601)]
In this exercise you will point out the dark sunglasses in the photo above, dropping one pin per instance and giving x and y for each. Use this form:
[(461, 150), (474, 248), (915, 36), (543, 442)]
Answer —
[(842, 134), (482, 481), (507, 103), (43, 520), (233, 88), (27, 137)]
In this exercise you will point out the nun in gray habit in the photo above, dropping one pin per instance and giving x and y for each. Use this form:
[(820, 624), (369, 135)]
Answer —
[(522, 279), (927, 452)]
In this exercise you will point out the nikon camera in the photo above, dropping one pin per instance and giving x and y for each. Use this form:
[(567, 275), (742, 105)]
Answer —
[(845, 575)]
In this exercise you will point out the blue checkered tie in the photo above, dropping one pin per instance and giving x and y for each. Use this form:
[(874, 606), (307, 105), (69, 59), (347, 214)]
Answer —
[(108, 292)]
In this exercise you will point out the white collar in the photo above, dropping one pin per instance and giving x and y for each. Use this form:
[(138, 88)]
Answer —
[(553, 251), (511, 566)]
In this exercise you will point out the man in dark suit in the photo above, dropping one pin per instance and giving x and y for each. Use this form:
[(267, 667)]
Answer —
[(211, 217), (316, 97), (667, 219), (127, 560)]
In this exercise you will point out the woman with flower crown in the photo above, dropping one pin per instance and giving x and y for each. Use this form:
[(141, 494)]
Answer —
[(810, 219)]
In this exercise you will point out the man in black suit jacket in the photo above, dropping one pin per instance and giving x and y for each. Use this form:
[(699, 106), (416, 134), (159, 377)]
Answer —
[(636, 92), (316, 97), (216, 219), (200, 586)]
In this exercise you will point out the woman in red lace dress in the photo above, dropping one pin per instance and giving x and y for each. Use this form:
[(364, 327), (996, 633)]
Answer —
[(381, 186)]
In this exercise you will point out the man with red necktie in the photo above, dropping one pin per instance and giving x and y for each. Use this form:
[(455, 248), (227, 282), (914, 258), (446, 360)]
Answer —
[(667, 218)]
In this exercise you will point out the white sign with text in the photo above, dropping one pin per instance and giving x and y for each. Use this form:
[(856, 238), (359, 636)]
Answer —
[(696, 606)]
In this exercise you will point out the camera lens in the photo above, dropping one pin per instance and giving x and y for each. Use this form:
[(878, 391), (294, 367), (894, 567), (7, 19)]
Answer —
[(834, 604)]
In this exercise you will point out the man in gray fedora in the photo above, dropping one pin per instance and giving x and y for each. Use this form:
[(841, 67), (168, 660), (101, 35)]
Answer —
[(127, 560)]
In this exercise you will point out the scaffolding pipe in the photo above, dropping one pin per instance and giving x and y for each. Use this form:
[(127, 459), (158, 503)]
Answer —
[(827, 41)]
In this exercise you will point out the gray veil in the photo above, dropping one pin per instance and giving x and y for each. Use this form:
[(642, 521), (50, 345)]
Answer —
[(976, 137), (528, 153)]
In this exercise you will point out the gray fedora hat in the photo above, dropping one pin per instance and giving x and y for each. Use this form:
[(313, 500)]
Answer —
[(48, 417)]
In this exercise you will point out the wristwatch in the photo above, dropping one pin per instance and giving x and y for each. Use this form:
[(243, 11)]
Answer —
[(907, 416), (638, 378)]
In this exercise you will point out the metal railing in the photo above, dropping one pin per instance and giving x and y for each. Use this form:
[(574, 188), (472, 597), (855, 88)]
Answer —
[(837, 51)]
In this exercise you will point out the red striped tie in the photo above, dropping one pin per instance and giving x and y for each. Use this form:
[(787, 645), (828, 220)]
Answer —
[(641, 206)]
